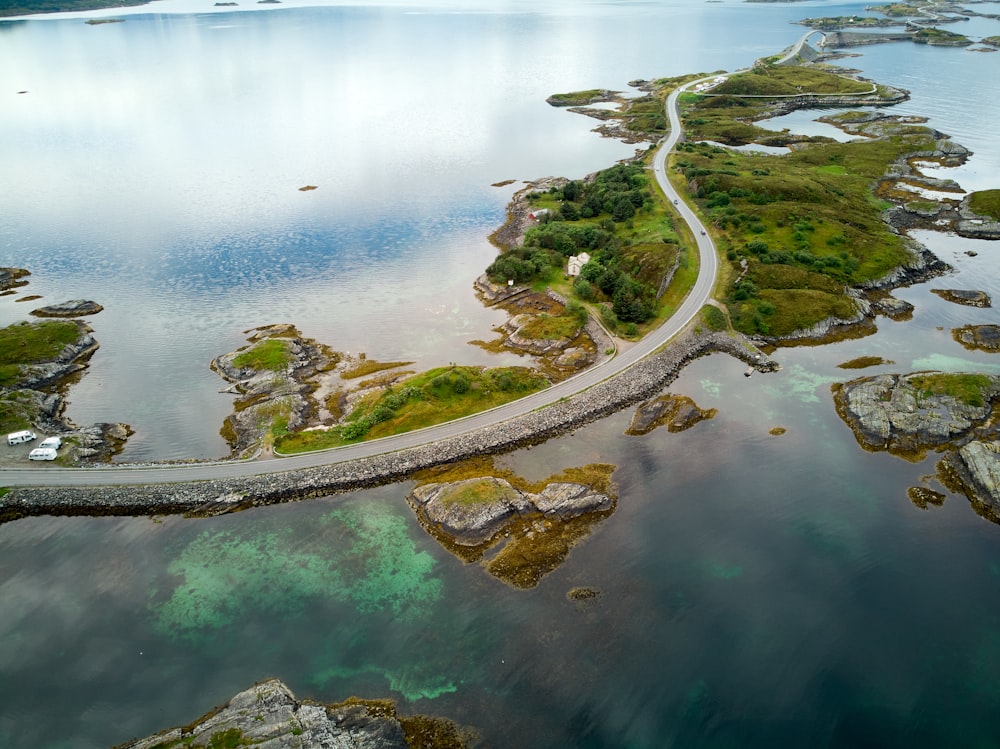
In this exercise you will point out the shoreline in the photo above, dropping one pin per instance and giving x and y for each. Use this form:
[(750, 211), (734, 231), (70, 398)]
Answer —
[(643, 380)]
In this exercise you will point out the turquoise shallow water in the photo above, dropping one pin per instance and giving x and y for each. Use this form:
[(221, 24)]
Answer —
[(755, 590)]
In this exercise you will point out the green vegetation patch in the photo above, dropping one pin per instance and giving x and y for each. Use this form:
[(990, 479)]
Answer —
[(788, 80), (863, 362), (986, 203), (556, 327), (272, 354), (970, 389), (366, 366), (621, 223), (941, 37), (32, 343), (579, 98), (432, 397), (798, 228), (478, 492)]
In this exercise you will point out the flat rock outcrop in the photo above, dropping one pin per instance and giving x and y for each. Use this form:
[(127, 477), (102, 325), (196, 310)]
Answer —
[(475, 511), (909, 415), (72, 308), (978, 337), (11, 277), (677, 412), (903, 415), (968, 297), (270, 717)]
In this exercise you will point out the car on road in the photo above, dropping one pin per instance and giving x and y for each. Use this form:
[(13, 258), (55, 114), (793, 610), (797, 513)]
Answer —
[(675, 201), (702, 231)]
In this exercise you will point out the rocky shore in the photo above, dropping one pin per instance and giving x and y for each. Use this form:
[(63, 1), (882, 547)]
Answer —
[(268, 715), (642, 381), (36, 397), (910, 415)]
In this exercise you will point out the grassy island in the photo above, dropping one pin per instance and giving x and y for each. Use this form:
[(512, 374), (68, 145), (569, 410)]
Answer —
[(986, 203), (941, 38), (27, 7)]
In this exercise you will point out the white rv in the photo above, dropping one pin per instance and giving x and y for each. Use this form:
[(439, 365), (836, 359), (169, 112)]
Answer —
[(25, 435), (42, 453)]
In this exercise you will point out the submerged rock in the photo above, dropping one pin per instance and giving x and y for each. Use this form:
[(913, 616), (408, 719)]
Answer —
[(677, 412), (968, 297), (978, 337), (269, 715)]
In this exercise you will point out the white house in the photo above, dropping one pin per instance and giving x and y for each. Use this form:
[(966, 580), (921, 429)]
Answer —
[(537, 215), (576, 263)]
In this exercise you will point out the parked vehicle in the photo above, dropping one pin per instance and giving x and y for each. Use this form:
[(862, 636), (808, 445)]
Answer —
[(25, 435), (55, 442), (43, 453)]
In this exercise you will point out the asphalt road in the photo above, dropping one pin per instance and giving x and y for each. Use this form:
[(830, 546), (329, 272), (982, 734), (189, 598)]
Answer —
[(156, 474)]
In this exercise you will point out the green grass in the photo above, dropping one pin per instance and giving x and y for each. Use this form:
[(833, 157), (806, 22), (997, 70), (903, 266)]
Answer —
[(969, 389), (940, 36), (370, 366), (789, 80), (269, 355), (576, 98), (432, 397), (31, 343), (863, 362), (476, 492), (552, 327), (986, 203)]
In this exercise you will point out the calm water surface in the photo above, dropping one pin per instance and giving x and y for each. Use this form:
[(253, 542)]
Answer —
[(756, 590)]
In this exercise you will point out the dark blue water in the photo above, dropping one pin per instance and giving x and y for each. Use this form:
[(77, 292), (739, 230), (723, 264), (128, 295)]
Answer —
[(755, 590)]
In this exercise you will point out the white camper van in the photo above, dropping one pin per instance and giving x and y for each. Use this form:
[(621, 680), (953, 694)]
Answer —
[(55, 442), (25, 435), (43, 453)]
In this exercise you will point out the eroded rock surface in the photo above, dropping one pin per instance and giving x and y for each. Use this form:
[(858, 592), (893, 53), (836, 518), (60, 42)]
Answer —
[(981, 337), (270, 717), (896, 413), (677, 412), (475, 511), (909, 415), (968, 297), (72, 308)]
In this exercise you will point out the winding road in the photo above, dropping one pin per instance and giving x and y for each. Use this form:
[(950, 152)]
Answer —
[(173, 473)]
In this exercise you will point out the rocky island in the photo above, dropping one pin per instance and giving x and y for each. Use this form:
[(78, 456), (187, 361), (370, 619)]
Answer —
[(521, 530), (909, 415), (269, 715)]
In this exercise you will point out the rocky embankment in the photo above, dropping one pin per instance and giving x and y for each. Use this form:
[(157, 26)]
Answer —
[(912, 414), (643, 380), (269, 716)]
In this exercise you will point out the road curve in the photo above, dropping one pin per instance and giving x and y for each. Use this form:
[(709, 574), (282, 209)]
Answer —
[(174, 473)]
